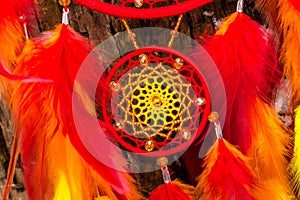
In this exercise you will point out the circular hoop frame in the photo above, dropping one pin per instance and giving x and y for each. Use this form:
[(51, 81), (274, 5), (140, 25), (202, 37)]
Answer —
[(142, 13), (196, 123)]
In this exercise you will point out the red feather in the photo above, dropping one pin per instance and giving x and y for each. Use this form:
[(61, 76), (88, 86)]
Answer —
[(246, 58), (168, 191), (55, 162), (296, 4), (227, 174)]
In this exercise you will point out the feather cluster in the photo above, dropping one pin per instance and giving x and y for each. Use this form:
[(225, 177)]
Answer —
[(56, 164), (246, 57)]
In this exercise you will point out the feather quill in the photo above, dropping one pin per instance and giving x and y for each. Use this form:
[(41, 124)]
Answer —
[(56, 164)]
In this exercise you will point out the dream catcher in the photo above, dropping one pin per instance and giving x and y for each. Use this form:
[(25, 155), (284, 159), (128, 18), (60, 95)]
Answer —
[(154, 101)]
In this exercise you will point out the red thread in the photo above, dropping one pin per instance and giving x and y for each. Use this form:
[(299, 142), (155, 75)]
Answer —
[(138, 13)]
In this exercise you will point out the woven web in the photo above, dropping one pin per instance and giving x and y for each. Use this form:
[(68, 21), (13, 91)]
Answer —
[(154, 101)]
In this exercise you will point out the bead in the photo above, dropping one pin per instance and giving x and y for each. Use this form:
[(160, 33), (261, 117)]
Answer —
[(213, 116), (138, 3), (118, 125), (114, 86), (149, 145), (186, 135), (156, 101), (200, 101), (143, 59), (162, 161), (178, 63), (64, 2)]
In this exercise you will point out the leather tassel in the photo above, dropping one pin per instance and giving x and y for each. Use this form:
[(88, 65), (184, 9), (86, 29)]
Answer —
[(227, 172), (55, 162)]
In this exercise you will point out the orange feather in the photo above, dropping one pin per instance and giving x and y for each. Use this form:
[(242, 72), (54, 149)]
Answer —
[(270, 149), (289, 18)]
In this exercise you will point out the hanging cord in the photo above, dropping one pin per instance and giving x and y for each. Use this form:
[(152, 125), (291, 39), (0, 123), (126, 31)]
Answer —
[(130, 34), (174, 32)]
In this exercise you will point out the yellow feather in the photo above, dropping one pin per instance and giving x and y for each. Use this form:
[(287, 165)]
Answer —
[(295, 163), (62, 189)]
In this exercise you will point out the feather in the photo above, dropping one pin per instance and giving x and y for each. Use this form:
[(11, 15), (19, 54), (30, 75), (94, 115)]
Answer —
[(295, 162), (246, 59), (270, 150), (12, 37), (246, 56), (11, 28), (170, 191), (289, 17), (227, 174), (49, 145), (296, 4), (11, 32)]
